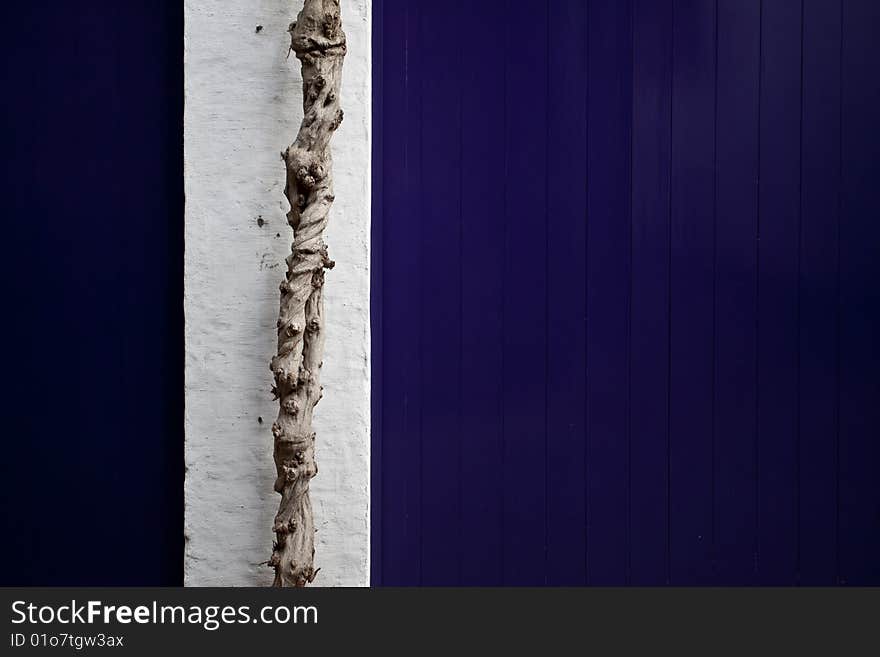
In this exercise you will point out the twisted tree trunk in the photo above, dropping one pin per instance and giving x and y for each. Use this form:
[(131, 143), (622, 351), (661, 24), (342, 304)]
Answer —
[(319, 43)]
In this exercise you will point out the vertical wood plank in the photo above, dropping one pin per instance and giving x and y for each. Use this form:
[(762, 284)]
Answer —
[(566, 298), (525, 295), (818, 294), (779, 212), (649, 338), (439, 214), (608, 281), (859, 505), (736, 177), (113, 261), (401, 400), (691, 293), (482, 365), (377, 328), (729, 356)]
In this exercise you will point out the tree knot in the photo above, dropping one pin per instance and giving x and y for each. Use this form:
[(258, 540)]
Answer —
[(291, 406)]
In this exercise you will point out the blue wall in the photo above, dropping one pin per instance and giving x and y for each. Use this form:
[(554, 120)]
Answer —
[(588, 367), (627, 292), (92, 330)]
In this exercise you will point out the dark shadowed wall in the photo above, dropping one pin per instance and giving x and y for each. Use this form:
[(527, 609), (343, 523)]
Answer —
[(627, 292), (92, 330)]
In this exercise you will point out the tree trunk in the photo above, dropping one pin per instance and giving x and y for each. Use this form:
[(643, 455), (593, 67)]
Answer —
[(319, 43)]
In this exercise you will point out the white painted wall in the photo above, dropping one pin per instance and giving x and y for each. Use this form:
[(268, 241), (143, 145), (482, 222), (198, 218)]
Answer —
[(243, 107)]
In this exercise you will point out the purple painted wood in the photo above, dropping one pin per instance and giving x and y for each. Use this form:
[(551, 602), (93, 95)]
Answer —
[(482, 253), (626, 294), (608, 280), (736, 246), (859, 391), (649, 323), (93, 266), (402, 353), (566, 293), (777, 293), (438, 213), (692, 267), (377, 325), (818, 294), (525, 337), (570, 383)]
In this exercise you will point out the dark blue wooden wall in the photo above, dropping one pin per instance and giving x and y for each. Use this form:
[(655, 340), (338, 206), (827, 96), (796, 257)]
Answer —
[(91, 474), (626, 292)]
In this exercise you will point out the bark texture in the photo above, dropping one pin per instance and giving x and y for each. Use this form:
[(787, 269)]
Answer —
[(319, 43)]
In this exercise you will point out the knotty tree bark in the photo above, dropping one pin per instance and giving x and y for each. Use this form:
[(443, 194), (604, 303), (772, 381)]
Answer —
[(319, 43)]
